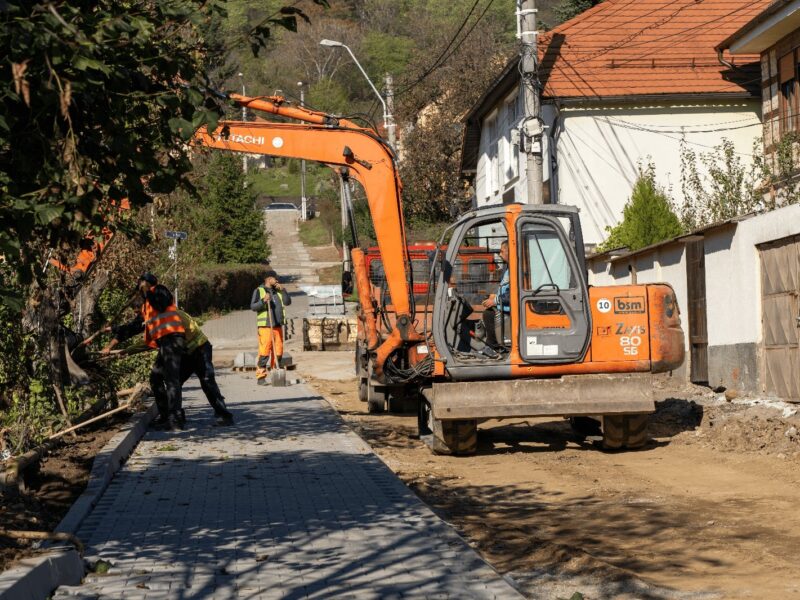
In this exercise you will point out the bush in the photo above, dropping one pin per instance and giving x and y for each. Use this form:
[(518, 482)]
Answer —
[(647, 218), (220, 287)]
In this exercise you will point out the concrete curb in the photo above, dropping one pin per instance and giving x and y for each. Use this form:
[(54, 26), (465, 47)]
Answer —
[(36, 578), (106, 464)]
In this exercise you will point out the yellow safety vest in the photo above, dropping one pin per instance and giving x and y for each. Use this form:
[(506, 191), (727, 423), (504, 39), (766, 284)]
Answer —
[(264, 317), (194, 335)]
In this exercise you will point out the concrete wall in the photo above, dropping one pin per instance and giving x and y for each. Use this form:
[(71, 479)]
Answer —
[(598, 149), (733, 290), (733, 295)]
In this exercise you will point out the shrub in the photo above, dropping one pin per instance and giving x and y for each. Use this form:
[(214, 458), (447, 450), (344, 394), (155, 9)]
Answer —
[(220, 287), (647, 217)]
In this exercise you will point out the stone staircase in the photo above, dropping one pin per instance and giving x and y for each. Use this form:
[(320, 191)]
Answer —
[(289, 257)]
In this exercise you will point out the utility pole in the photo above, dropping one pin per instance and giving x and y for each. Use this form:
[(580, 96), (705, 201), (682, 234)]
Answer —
[(532, 123), (244, 118), (176, 237), (390, 125), (303, 201)]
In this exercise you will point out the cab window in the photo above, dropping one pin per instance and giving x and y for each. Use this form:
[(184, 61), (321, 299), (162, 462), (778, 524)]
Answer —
[(546, 264)]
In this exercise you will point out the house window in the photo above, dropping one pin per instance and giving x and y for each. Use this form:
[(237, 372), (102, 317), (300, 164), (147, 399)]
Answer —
[(512, 169), (492, 158), (788, 79)]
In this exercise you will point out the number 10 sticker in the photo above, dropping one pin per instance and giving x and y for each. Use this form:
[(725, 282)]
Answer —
[(604, 305)]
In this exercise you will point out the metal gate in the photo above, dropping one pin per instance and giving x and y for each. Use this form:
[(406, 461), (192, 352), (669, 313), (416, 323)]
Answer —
[(780, 317)]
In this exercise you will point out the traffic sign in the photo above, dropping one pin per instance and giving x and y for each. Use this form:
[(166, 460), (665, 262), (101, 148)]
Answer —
[(176, 235)]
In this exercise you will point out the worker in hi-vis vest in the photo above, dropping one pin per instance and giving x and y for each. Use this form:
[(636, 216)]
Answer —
[(163, 329), (269, 301)]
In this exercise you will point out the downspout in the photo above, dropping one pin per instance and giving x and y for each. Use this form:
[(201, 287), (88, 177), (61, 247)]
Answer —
[(722, 61)]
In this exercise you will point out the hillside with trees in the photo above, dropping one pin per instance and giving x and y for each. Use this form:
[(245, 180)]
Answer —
[(441, 55)]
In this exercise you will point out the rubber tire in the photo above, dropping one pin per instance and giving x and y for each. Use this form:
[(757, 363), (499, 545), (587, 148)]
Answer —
[(362, 390), (423, 419), (376, 401), (624, 431), (457, 438), (585, 426)]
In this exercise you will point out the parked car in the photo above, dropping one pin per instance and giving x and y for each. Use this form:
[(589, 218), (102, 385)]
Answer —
[(281, 206)]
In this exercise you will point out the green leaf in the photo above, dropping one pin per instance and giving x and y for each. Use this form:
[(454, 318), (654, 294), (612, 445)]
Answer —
[(289, 23), (11, 298), (82, 63), (182, 127), (47, 213)]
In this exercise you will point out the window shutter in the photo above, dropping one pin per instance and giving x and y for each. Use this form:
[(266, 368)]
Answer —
[(786, 68)]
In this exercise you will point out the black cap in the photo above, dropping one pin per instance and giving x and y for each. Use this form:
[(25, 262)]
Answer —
[(149, 278), (270, 274)]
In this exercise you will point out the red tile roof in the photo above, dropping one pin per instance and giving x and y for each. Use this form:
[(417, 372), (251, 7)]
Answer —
[(648, 47)]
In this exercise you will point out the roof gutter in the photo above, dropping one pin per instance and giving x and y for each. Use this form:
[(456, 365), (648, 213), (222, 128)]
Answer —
[(633, 99)]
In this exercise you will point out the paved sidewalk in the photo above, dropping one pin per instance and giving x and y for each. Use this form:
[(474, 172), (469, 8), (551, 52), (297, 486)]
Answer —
[(288, 504)]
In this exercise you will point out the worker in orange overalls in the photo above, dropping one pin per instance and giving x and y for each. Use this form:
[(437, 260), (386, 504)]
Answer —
[(269, 301), (163, 329)]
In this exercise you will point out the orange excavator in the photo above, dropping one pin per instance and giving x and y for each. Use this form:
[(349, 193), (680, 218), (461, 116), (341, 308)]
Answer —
[(546, 343)]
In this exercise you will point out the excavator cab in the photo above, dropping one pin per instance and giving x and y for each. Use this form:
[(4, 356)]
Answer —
[(541, 314)]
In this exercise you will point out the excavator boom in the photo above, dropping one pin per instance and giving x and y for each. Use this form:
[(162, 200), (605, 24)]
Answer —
[(371, 162)]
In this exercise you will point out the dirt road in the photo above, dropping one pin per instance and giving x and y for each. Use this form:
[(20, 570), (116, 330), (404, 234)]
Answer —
[(708, 510)]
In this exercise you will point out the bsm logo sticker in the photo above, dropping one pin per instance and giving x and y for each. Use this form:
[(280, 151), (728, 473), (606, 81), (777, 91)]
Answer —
[(629, 305)]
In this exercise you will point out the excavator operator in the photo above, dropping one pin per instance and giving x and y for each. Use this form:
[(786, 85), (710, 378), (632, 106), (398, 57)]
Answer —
[(164, 330), (498, 303)]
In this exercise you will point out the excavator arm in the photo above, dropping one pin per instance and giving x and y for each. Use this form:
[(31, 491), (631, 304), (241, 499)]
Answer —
[(370, 161)]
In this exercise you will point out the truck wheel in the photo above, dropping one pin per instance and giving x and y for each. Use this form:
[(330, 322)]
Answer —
[(624, 431), (423, 420), (376, 401), (362, 390), (585, 426), (458, 437)]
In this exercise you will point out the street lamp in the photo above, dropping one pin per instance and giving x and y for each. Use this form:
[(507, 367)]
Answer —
[(387, 117), (303, 201), (244, 118)]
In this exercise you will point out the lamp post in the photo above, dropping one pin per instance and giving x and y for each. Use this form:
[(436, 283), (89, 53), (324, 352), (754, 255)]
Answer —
[(303, 200), (388, 123), (244, 118)]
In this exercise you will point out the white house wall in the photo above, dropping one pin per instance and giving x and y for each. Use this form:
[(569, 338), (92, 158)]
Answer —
[(501, 166), (600, 151)]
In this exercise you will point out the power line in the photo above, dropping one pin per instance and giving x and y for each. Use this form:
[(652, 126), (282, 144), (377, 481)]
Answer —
[(684, 32), (625, 41), (653, 128), (442, 58), (668, 136), (436, 63)]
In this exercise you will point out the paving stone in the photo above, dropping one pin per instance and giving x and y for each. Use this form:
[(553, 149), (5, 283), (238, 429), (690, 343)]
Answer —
[(289, 503)]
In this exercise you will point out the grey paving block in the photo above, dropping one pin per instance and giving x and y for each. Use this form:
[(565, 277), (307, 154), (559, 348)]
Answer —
[(289, 503)]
